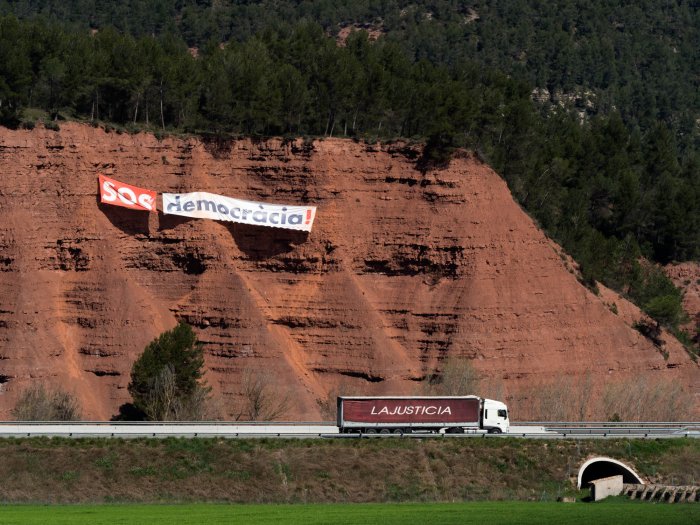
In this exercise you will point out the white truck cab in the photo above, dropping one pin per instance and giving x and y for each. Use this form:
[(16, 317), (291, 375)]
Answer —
[(494, 417)]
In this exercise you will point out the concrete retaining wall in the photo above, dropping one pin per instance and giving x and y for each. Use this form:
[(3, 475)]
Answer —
[(604, 487)]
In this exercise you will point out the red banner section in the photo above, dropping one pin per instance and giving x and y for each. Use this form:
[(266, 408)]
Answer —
[(425, 410), (120, 194)]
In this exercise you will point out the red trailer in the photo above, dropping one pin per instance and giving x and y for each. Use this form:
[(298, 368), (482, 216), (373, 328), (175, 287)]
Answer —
[(406, 414)]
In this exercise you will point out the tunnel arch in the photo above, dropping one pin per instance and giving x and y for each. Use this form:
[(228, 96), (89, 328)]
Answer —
[(602, 467)]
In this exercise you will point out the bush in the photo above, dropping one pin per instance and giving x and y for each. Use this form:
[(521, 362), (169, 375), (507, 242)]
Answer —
[(38, 404), (263, 398), (651, 288), (645, 399), (437, 152), (53, 126), (456, 377), (640, 398), (566, 398), (9, 117), (667, 310), (650, 330)]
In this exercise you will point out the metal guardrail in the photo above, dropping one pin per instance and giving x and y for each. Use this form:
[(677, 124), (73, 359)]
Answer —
[(204, 435), (524, 435), (611, 429), (231, 429)]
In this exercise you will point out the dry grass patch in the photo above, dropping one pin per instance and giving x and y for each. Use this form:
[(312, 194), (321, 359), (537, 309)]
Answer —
[(298, 471)]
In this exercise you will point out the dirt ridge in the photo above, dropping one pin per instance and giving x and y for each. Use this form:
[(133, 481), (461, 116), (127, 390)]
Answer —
[(401, 270)]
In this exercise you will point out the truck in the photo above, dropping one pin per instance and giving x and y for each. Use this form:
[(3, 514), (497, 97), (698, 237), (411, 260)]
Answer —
[(421, 414)]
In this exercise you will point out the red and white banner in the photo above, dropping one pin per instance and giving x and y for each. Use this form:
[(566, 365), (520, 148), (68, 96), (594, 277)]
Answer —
[(414, 410), (204, 205), (120, 194)]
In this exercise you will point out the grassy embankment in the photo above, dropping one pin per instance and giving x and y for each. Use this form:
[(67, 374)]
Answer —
[(320, 471)]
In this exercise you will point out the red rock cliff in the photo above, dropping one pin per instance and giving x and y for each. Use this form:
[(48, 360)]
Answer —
[(400, 270)]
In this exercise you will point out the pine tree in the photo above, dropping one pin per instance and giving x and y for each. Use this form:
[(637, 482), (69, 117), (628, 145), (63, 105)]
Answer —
[(166, 379)]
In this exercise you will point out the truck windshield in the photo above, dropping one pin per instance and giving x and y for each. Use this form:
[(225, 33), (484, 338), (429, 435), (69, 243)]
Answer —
[(503, 413)]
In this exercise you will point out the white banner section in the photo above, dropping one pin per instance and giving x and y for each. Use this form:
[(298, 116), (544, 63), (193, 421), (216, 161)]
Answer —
[(203, 205)]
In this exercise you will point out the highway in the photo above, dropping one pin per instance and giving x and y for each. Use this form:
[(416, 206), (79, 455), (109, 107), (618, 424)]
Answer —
[(307, 430)]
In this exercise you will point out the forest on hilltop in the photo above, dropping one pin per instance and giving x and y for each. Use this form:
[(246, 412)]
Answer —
[(590, 111)]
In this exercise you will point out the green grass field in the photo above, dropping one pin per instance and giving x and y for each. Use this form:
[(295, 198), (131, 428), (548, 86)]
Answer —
[(616, 512)]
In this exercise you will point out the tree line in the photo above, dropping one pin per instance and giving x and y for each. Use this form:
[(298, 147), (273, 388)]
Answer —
[(638, 57)]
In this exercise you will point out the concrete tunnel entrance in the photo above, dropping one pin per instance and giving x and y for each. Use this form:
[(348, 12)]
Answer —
[(602, 467)]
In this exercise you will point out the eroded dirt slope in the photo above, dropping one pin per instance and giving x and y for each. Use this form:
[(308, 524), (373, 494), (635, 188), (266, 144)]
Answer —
[(400, 270)]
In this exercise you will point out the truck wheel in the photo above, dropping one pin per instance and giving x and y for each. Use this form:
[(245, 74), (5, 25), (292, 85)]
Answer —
[(385, 431), (397, 431), (494, 430), (370, 431)]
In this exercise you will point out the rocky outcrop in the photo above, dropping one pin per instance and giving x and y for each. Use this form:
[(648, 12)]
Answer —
[(401, 270)]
